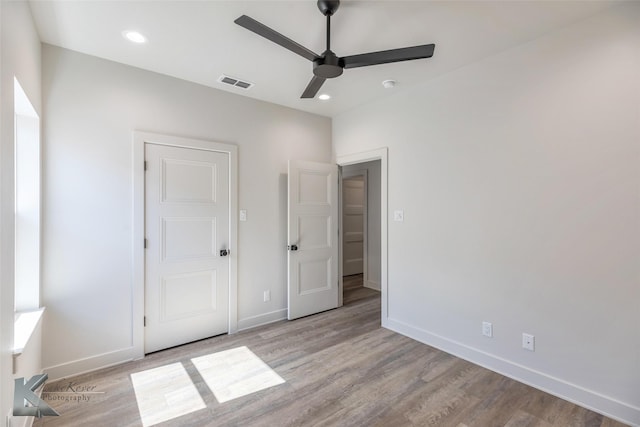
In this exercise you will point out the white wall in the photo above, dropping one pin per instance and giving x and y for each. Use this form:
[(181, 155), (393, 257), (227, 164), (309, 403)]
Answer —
[(91, 108), (373, 220), (518, 176), (20, 57)]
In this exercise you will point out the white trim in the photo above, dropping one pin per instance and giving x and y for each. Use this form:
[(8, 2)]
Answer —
[(262, 319), (340, 242), (24, 326), (90, 364), (22, 104), (137, 309), (372, 285), (589, 399), (367, 156)]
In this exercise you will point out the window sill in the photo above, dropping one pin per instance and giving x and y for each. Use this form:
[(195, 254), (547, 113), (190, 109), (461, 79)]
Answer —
[(25, 323)]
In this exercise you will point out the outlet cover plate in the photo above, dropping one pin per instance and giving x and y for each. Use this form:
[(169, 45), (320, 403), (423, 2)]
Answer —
[(528, 342)]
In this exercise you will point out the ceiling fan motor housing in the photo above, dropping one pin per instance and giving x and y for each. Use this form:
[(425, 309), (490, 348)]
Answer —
[(328, 66)]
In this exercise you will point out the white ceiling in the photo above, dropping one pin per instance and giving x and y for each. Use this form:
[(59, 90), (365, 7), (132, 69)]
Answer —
[(198, 40)]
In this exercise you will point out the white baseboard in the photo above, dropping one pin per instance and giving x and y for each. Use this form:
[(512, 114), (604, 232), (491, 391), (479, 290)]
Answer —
[(262, 319), (372, 285), (589, 399), (88, 364), (21, 421)]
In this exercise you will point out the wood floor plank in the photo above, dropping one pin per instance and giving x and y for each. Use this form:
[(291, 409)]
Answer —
[(340, 369), (524, 419)]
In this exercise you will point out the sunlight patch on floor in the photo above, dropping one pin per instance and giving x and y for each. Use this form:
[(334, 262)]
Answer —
[(235, 373), (165, 393)]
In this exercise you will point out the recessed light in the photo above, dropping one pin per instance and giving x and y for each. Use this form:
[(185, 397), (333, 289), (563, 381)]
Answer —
[(324, 97), (134, 36)]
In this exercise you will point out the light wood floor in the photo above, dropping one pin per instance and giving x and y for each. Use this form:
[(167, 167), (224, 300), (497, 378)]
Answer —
[(341, 369)]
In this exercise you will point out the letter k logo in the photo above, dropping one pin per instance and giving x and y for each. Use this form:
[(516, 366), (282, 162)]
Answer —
[(24, 393)]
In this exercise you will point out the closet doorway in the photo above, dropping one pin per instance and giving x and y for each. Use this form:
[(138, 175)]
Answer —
[(361, 229)]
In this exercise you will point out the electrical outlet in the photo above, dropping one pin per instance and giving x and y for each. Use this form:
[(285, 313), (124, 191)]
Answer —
[(398, 216), (267, 296), (243, 214), (487, 329), (528, 342)]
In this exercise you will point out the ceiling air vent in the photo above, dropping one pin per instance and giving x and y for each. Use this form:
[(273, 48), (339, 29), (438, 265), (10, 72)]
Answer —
[(235, 82)]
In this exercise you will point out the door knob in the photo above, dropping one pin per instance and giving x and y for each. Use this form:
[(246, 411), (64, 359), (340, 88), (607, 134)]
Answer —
[(293, 247), (224, 252)]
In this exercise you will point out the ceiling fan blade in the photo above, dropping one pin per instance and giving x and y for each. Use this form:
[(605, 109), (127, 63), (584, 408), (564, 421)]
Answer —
[(386, 56), (313, 87), (266, 32)]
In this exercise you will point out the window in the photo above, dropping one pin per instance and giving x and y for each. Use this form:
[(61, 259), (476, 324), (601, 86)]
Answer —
[(27, 202)]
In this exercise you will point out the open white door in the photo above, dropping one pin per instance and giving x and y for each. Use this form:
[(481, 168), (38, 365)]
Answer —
[(313, 238)]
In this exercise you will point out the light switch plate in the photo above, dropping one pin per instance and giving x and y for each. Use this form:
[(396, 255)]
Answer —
[(487, 329), (398, 216)]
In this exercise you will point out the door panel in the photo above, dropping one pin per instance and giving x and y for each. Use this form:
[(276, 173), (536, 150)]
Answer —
[(185, 238), (186, 225), (315, 231), (186, 294), (314, 276), (188, 181), (313, 270)]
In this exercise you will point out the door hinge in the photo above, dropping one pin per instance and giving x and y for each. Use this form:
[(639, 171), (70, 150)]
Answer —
[(145, 165), (145, 243), (144, 321)]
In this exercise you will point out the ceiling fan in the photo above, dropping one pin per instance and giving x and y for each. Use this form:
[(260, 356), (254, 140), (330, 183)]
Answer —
[(328, 65)]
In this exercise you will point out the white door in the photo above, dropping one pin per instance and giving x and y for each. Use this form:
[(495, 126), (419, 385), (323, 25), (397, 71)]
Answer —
[(186, 227), (313, 238), (353, 223)]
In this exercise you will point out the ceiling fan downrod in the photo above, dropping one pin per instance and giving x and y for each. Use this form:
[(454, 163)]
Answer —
[(328, 32), (328, 8), (328, 65)]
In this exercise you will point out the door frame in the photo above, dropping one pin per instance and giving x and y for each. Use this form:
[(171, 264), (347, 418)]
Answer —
[(137, 245), (363, 157)]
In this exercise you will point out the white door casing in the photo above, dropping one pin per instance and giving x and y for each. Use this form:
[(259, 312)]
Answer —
[(187, 225), (313, 284), (382, 155)]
